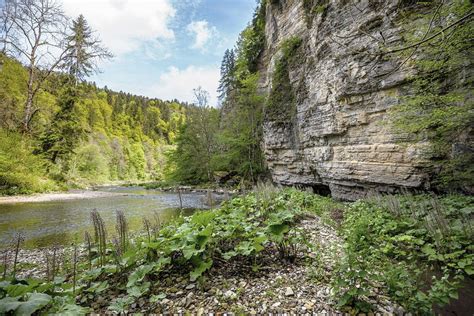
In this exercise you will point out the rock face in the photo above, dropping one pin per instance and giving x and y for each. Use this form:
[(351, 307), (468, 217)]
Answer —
[(340, 139)]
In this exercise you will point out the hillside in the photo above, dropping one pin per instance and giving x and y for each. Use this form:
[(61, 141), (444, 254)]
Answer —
[(102, 136)]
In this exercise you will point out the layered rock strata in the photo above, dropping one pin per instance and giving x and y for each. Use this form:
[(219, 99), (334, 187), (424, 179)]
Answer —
[(340, 139)]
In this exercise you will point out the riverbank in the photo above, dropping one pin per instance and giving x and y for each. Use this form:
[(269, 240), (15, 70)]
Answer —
[(100, 192), (277, 251), (275, 287), (57, 196)]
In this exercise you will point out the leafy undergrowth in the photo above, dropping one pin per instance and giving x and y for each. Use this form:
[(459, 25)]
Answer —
[(417, 248), (412, 250), (245, 230)]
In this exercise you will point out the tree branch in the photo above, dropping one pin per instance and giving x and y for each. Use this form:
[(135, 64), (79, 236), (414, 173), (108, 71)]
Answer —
[(460, 21)]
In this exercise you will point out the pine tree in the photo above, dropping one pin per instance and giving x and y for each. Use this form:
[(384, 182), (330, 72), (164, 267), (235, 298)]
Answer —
[(83, 50), (227, 81)]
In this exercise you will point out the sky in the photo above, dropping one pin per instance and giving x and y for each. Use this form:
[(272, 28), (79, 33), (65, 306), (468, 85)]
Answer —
[(164, 48)]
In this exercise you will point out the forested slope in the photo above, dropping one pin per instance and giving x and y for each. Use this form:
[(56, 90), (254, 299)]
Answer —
[(82, 135)]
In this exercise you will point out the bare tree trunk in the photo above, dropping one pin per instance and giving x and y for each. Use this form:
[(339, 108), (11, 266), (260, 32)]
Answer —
[(29, 99)]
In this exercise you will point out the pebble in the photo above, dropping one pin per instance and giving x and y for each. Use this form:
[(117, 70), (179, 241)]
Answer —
[(289, 292), (230, 294), (189, 299), (190, 286)]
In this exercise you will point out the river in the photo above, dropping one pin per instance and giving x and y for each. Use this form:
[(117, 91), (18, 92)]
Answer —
[(61, 222)]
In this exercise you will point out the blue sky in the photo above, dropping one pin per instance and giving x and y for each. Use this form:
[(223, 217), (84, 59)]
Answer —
[(164, 48)]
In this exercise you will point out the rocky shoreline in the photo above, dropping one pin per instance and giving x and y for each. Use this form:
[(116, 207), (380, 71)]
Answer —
[(57, 196), (96, 193), (301, 287)]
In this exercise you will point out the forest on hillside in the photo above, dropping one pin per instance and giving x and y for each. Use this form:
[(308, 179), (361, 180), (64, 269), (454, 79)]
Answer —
[(81, 134), (59, 131), (56, 129)]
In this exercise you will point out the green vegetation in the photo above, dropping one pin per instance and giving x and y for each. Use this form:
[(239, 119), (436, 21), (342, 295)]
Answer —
[(227, 141), (83, 135), (193, 160), (440, 107), (20, 170), (312, 8), (281, 103), (418, 249), (242, 230), (56, 130)]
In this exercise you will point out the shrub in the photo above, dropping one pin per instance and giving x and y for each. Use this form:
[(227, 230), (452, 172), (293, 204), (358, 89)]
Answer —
[(21, 171), (396, 245)]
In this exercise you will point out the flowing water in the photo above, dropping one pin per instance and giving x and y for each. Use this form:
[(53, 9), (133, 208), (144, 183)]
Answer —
[(62, 222)]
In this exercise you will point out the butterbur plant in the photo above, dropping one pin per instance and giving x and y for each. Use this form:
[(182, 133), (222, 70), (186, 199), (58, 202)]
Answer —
[(5, 262), (18, 240), (88, 240), (351, 286), (122, 231), (74, 266), (100, 234), (51, 263), (147, 226), (54, 263), (117, 250), (291, 244), (157, 223)]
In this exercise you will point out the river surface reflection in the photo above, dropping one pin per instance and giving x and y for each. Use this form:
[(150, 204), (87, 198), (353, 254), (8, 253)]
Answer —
[(62, 222)]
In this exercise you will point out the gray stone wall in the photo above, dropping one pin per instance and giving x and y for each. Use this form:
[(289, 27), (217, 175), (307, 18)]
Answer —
[(341, 137)]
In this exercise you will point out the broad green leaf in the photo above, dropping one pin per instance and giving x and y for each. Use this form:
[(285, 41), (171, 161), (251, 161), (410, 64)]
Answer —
[(258, 243), (98, 287), (469, 270), (138, 291), (278, 229), (163, 261), (428, 250), (189, 251), (139, 274), (157, 298), (15, 290), (121, 304), (229, 255), (9, 304), (35, 302), (200, 269)]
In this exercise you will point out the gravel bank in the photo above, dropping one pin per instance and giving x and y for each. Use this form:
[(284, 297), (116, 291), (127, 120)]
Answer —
[(47, 197)]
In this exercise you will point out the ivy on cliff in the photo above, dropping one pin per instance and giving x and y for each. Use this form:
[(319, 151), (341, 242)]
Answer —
[(281, 102), (440, 108)]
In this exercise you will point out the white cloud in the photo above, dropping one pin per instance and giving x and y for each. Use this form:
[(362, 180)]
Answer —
[(124, 25), (179, 83), (202, 32)]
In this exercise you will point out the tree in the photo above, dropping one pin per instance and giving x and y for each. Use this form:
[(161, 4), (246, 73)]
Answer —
[(65, 132), (240, 132), (196, 142), (206, 127), (227, 81), (83, 51), (34, 32)]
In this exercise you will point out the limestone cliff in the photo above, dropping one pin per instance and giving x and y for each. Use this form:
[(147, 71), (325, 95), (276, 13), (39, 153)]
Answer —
[(338, 138)]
